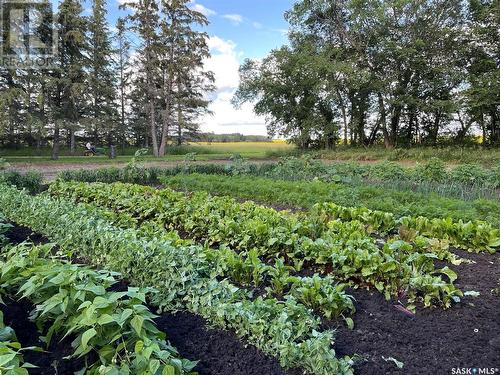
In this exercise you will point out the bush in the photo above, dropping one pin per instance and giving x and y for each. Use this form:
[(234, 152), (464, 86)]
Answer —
[(387, 171), (31, 180), (433, 170), (469, 174)]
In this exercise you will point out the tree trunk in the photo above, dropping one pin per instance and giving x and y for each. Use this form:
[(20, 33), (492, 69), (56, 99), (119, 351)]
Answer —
[(344, 116), (55, 144), (383, 122), (154, 138), (396, 116), (72, 143), (411, 122), (167, 115), (151, 93), (122, 119), (495, 130), (179, 126), (435, 128)]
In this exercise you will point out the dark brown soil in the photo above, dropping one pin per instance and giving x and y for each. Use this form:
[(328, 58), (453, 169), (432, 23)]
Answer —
[(19, 234), (219, 352), (49, 362), (433, 341)]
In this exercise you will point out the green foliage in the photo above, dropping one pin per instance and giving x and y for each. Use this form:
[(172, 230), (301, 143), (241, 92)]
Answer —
[(3, 164), (251, 229), (190, 156), (472, 174), (71, 300), (11, 352), (184, 278), (244, 267), (132, 173), (296, 169), (4, 228), (308, 193), (433, 170), (288, 88), (462, 181), (31, 180), (487, 157), (387, 171)]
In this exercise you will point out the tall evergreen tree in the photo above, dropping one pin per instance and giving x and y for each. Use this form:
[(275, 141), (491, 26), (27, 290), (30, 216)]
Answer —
[(145, 22), (68, 79), (181, 59), (102, 107), (123, 75)]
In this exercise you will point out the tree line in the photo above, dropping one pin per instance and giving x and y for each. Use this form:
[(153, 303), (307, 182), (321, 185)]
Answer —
[(394, 72), (140, 82)]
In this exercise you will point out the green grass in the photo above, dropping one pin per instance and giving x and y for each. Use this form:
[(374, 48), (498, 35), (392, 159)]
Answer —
[(105, 160), (450, 155), (204, 151), (306, 193)]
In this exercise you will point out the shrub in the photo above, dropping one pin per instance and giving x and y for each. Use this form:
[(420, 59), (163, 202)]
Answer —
[(433, 170), (31, 180)]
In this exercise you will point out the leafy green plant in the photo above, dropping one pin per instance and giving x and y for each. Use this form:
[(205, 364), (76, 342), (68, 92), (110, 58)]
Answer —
[(31, 180), (11, 352), (185, 280), (190, 156), (72, 300), (307, 194), (4, 228), (433, 170), (244, 268), (3, 164), (318, 294), (317, 238)]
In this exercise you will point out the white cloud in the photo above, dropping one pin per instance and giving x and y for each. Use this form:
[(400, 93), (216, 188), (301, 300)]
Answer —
[(283, 32), (235, 19), (257, 25), (225, 64), (122, 2), (202, 9)]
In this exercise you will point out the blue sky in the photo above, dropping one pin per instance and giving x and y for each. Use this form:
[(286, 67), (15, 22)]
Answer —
[(238, 29), (256, 26)]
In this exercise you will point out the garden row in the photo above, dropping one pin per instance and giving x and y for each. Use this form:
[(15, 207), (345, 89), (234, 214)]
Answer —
[(304, 192), (477, 235), (344, 249), (434, 170), (185, 279), (114, 331), (245, 269)]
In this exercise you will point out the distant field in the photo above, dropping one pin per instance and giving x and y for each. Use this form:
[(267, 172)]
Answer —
[(203, 150), (259, 149)]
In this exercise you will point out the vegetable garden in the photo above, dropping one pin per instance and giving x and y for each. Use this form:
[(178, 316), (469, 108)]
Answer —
[(124, 278)]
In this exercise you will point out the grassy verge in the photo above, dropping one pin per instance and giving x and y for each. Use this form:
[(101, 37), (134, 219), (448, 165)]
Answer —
[(451, 155)]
